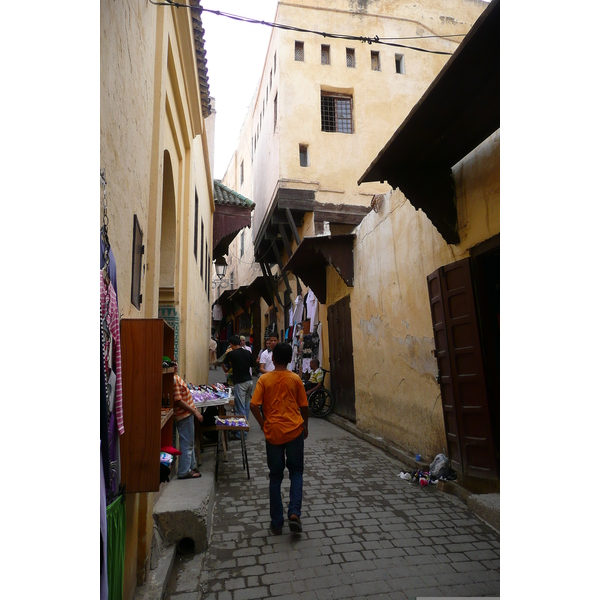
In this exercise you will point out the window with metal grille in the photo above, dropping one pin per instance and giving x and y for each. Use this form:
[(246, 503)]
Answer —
[(350, 58), (271, 79), (275, 62), (303, 155), (275, 112), (336, 113), (242, 173), (400, 64), (375, 64), (242, 244), (325, 56), (299, 51)]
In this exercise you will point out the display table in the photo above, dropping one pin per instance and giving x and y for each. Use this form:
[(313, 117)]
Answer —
[(234, 423), (223, 424), (221, 403)]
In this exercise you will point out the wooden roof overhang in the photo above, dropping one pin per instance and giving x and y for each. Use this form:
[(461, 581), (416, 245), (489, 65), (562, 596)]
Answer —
[(228, 221), (279, 230), (245, 294), (315, 254), (232, 213), (459, 110)]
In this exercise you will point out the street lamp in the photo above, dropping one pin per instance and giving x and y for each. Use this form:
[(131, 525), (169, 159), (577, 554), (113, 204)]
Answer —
[(221, 269)]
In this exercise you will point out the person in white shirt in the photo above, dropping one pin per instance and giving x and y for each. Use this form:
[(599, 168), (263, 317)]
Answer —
[(266, 358)]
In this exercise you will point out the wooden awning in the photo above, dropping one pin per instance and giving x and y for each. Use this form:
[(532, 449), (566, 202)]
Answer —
[(233, 212), (459, 110), (315, 254)]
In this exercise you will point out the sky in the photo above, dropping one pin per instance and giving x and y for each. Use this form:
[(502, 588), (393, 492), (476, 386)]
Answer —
[(235, 54)]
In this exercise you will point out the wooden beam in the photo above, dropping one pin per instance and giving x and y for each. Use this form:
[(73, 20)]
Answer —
[(273, 285), (269, 284), (286, 242), (288, 212), (299, 205), (280, 264)]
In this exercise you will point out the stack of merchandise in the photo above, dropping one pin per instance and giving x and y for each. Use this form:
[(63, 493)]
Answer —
[(232, 421), (213, 391)]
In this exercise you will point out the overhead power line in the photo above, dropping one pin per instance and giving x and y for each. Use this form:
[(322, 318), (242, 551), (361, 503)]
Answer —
[(340, 36)]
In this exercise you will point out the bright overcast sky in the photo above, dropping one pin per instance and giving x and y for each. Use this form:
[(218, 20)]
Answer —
[(235, 53)]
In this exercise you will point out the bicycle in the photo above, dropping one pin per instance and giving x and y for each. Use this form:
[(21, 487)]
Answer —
[(321, 401)]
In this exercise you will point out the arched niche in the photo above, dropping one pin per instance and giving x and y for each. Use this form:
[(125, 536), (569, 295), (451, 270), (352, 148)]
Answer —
[(168, 235)]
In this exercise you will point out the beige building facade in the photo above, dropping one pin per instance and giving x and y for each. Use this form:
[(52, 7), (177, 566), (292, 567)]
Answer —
[(425, 128), (323, 108), (155, 155)]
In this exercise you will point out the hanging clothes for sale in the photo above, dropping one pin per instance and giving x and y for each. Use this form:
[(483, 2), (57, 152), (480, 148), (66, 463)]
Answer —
[(312, 306), (217, 313), (116, 527), (298, 310), (103, 538), (110, 356)]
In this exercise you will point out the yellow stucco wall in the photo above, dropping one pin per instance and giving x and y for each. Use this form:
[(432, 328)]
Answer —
[(149, 105), (395, 250)]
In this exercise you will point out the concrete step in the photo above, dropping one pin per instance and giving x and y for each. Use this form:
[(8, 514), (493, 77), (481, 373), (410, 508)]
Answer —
[(183, 513), (156, 583)]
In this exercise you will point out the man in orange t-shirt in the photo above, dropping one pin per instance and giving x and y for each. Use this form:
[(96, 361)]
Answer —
[(284, 420)]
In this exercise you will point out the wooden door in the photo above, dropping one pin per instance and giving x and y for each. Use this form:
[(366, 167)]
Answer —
[(461, 371), (341, 358)]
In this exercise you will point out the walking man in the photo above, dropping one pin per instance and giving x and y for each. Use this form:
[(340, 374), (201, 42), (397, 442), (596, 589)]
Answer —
[(266, 358), (284, 421), (240, 361)]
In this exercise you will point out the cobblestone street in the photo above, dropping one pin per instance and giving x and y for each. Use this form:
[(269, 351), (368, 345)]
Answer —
[(366, 532)]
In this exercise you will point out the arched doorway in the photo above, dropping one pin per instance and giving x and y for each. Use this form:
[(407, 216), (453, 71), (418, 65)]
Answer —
[(167, 303)]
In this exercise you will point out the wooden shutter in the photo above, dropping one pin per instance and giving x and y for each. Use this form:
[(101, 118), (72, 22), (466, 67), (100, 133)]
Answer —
[(461, 371)]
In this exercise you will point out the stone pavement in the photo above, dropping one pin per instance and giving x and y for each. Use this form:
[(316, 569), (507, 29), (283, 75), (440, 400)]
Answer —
[(367, 533)]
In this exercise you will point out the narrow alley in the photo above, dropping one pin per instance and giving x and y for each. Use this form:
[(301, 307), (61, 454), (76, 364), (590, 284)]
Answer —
[(366, 532)]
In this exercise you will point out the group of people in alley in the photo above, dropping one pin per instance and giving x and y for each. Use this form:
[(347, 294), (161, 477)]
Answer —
[(278, 400)]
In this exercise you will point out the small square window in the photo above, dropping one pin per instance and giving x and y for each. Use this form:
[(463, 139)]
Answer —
[(299, 51), (375, 63), (350, 58), (400, 64), (325, 56), (303, 155)]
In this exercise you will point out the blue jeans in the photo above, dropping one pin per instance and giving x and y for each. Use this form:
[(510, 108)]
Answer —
[(243, 394), (187, 460), (290, 455)]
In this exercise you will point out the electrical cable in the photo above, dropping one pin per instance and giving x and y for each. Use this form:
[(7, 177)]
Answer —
[(339, 36)]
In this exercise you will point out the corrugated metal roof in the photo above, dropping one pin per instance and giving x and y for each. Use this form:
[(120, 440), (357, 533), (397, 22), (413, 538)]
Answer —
[(223, 195)]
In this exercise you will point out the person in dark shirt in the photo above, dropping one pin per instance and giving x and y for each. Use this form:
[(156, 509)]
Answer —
[(240, 361)]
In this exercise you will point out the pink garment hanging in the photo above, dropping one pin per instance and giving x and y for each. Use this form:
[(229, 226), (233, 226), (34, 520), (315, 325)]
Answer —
[(112, 320)]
